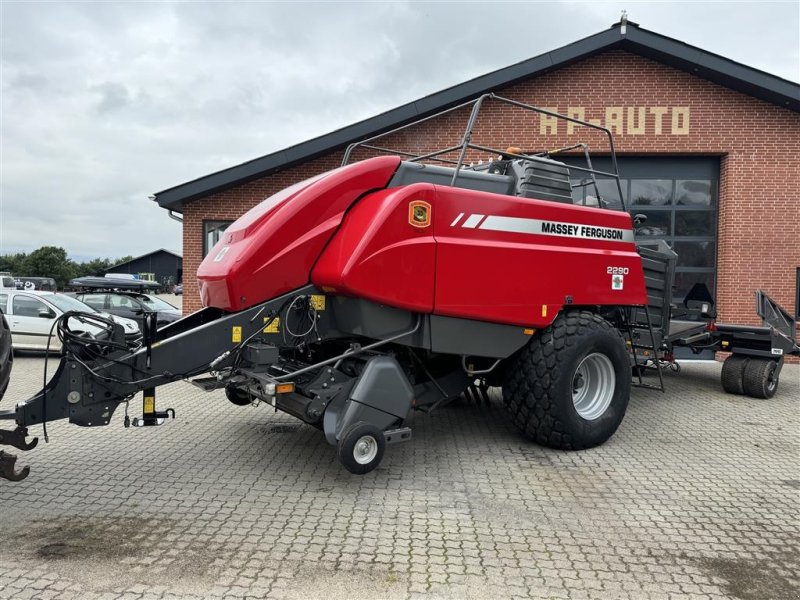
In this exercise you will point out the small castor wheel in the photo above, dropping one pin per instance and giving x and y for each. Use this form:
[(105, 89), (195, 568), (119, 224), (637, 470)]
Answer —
[(238, 396), (361, 447)]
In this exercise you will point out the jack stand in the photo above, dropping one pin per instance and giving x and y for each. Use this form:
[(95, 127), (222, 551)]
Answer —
[(150, 416)]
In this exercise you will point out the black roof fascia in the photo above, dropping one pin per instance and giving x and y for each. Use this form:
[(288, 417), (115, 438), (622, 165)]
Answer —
[(674, 53), (713, 67), (135, 258)]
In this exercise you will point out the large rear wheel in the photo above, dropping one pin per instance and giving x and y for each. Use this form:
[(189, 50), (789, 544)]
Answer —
[(761, 378), (569, 387), (733, 373)]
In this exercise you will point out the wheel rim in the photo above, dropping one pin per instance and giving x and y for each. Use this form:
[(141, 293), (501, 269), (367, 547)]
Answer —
[(593, 386), (771, 381), (365, 450)]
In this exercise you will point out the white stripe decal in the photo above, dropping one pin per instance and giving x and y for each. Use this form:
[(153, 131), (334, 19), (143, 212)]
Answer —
[(557, 228), (472, 221), (457, 219)]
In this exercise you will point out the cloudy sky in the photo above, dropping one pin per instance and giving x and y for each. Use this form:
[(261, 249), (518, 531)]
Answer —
[(104, 103)]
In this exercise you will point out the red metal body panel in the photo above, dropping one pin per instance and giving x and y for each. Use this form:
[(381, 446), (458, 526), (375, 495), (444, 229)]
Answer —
[(272, 248), (467, 254), (379, 255), (521, 277)]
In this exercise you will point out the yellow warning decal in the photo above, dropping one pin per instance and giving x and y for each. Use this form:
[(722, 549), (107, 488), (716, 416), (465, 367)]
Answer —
[(274, 325), (317, 301), (149, 404), (236, 335)]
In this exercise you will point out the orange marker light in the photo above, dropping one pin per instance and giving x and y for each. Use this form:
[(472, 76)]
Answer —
[(284, 388)]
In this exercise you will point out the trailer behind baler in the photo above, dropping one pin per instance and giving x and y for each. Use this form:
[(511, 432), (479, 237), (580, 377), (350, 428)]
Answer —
[(352, 298)]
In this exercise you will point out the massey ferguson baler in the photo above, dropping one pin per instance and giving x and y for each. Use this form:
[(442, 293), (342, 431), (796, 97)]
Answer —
[(388, 285)]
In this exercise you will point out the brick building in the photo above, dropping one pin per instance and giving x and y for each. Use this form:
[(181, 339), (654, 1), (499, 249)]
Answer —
[(707, 150)]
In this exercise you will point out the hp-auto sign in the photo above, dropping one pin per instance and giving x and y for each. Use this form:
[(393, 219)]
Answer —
[(621, 120)]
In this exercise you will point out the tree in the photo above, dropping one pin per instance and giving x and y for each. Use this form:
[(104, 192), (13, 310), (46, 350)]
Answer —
[(50, 261), (13, 263), (96, 266)]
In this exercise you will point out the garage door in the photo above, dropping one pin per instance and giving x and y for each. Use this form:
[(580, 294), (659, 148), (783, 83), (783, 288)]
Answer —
[(679, 196)]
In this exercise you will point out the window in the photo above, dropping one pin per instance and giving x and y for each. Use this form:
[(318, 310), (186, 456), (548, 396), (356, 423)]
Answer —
[(25, 306), (117, 301), (679, 198), (4, 301), (212, 233), (651, 192), (96, 301), (155, 303)]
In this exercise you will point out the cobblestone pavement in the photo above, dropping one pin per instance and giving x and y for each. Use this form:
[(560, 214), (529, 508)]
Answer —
[(696, 496)]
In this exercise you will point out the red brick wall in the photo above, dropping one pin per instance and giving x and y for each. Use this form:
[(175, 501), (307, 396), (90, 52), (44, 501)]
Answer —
[(759, 145)]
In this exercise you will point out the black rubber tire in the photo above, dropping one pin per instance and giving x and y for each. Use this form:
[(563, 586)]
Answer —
[(237, 396), (759, 378), (538, 390), (347, 447), (733, 373), (6, 355)]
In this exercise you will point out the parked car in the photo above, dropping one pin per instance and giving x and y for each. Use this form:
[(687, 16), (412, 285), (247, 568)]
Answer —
[(131, 305), (7, 283), (31, 315), (43, 284), (179, 289)]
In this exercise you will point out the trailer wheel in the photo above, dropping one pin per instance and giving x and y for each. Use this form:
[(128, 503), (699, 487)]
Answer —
[(237, 396), (733, 373), (569, 387), (760, 380), (361, 447)]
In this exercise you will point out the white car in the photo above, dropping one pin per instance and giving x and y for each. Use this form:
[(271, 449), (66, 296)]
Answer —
[(31, 315), (7, 283)]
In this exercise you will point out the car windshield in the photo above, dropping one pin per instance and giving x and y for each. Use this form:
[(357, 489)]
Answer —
[(157, 303), (66, 303)]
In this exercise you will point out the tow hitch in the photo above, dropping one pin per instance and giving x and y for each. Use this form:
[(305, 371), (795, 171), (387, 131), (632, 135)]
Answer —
[(7, 462), (14, 438)]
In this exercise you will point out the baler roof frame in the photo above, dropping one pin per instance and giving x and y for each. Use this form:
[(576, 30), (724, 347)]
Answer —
[(466, 143)]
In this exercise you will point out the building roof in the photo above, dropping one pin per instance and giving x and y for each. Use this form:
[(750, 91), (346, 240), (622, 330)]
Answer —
[(127, 262), (627, 36)]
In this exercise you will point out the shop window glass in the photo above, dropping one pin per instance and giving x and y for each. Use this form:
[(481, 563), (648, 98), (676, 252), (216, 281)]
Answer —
[(693, 192), (695, 222), (695, 254), (651, 192), (658, 223), (685, 281)]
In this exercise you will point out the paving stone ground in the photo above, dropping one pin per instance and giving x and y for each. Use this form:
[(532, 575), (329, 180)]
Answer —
[(696, 496)]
